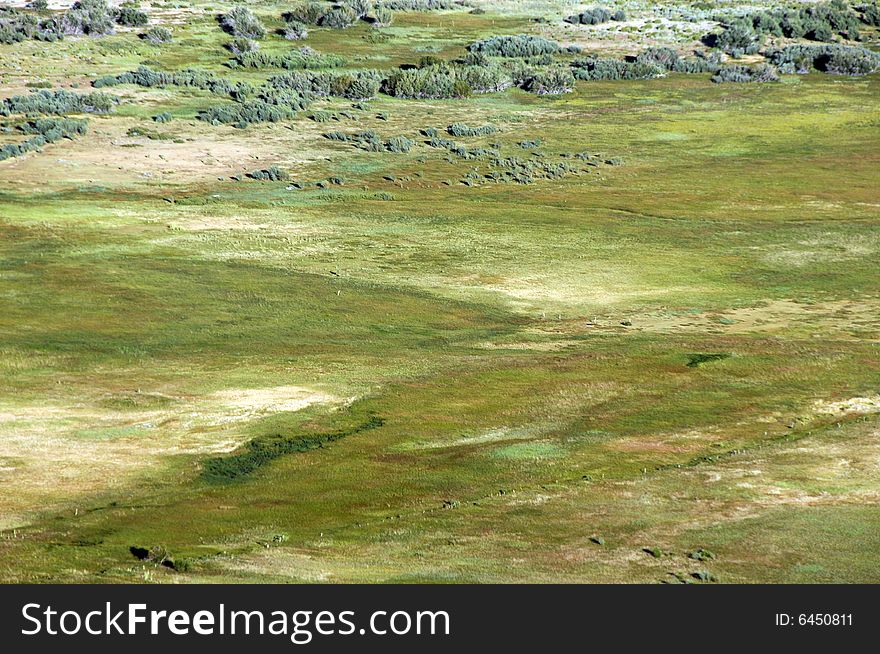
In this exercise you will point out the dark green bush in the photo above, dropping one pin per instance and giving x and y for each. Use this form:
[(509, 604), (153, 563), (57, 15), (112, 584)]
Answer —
[(43, 131), (300, 59), (295, 31), (58, 103), (830, 58), (593, 16), (520, 45), (614, 69), (272, 174), (131, 17), (460, 129), (551, 81), (262, 450), (759, 73), (241, 21), (157, 35)]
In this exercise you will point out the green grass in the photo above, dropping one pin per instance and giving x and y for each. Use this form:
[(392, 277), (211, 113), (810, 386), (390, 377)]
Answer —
[(635, 353)]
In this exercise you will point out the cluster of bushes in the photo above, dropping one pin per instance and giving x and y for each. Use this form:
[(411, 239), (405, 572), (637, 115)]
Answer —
[(595, 16), (43, 131), (614, 69), (86, 17), (446, 81), (189, 78), (520, 45), (58, 103), (241, 22), (830, 58), (264, 449), (242, 114), (240, 44), (668, 59), (460, 129), (299, 59), (294, 30), (869, 14), (818, 22), (460, 150), (733, 73), (338, 15), (550, 81), (369, 140), (131, 16), (422, 5), (354, 85), (157, 35), (271, 174)]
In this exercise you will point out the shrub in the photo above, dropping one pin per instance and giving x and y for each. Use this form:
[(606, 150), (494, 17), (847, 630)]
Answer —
[(702, 63), (272, 174), (818, 22), (398, 144), (58, 103), (445, 81), (614, 69), (665, 58), (520, 45), (759, 73), (91, 17), (870, 14), (593, 16), (339, 18), (241, 45), (295, 31), (241, 21), (836, 59), (460, 129), (382, 17), (739, 38), (131, 17), (309, 13), (43, 131), (551, 81), (39, 5), (485, 79), (421, 5), (189, 77), (243, 114), (360, 8), (303, 58), (157, 35), (163, 117)]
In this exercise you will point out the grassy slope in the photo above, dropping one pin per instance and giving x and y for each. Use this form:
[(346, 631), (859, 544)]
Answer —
[(482, 324)]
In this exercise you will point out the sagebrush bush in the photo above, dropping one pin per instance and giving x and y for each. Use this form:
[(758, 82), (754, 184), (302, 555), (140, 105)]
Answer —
[(295, 31), (520, 45), (614, 69), (272, 174), (58, 103), (157, 35), (596, 16), (241, 21), (131, 17), (734, 73), (551, 81), (830, 58), (461, 129), (339, 18), (302, 58)]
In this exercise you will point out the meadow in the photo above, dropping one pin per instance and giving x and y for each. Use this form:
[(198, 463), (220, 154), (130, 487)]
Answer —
[(628, 334)]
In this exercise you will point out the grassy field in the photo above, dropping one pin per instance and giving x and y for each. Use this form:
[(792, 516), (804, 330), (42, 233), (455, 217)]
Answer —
[(662, 370)]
